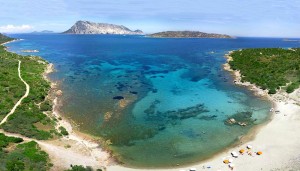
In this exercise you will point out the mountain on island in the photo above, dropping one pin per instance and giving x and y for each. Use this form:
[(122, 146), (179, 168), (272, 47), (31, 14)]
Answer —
[(187, 34), (87, 27)]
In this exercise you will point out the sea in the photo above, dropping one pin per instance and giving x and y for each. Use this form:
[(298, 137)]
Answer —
[(156, 102)]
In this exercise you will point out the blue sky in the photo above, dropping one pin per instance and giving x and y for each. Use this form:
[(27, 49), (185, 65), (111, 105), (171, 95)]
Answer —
[(263, 18)]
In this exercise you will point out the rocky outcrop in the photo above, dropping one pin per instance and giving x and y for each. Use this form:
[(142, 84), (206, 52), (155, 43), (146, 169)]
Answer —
[(187, 34), (86, 27)]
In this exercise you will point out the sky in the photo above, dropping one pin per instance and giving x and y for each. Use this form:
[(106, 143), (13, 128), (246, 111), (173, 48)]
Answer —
[(250, 18)]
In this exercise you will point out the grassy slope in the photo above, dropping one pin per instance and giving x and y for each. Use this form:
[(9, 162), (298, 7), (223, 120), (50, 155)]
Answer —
[(269, 68), (15, 155), (28, 114)]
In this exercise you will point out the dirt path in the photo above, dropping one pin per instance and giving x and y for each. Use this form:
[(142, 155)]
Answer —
[(80, 151), (21, 99)]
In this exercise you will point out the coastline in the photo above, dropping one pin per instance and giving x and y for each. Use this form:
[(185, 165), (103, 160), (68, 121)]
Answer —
[(84, 147), (270, 138), (74, 149)]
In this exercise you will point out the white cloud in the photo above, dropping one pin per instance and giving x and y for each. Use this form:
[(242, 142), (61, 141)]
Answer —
[(15, 29)]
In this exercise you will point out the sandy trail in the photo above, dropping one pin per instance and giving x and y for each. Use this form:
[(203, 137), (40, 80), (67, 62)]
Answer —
[(21, 99)]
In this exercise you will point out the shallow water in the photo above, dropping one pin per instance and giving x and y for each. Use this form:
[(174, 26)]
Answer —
[(160, 102)]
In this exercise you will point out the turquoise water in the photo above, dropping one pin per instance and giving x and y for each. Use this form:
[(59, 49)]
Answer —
[(160, 102)]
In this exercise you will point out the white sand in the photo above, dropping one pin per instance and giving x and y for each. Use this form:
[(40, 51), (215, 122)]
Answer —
[(279, 141)]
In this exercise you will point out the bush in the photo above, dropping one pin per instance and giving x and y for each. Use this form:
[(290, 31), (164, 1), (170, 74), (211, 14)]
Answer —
[(272, 91), (26, 156), (63, 131), (81, 168), (290, 88)]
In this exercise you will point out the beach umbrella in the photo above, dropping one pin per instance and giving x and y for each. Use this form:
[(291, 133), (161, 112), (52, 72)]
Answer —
[(231, 165), (234, 154), (242, 151), (249, 146), (230, 160), (259, 153), (226, 161)]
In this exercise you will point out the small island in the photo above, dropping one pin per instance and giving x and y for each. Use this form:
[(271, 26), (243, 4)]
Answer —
[(187, 34), (43, 32)]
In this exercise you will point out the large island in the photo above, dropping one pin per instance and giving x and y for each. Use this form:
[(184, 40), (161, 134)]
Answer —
[(187, 34), (87, 27)]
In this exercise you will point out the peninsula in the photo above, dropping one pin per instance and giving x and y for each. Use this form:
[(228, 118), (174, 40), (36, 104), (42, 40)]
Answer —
[(87, 27), (187, 34)]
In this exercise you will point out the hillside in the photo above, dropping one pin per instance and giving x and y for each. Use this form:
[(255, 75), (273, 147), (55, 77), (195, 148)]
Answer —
[(4, 38), (269, 68)]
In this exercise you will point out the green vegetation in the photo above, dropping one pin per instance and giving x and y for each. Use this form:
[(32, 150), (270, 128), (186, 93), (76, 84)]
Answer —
[(9, 93), (269, 68), (4, 141), (4, 38), (30, 112), (82, 168), (63, 131), (15, 156)]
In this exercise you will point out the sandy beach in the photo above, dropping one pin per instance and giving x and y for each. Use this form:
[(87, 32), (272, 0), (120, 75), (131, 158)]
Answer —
[(278, 140)]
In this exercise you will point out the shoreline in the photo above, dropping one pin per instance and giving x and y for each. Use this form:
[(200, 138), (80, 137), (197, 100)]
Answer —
[(87, 144), (264, 137), (74, 149), (85, 151)]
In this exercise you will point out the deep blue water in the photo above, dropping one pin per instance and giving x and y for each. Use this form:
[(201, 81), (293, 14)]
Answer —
[(158, 101)]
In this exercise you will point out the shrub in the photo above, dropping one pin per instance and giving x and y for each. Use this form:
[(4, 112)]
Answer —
[(63, 131)]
